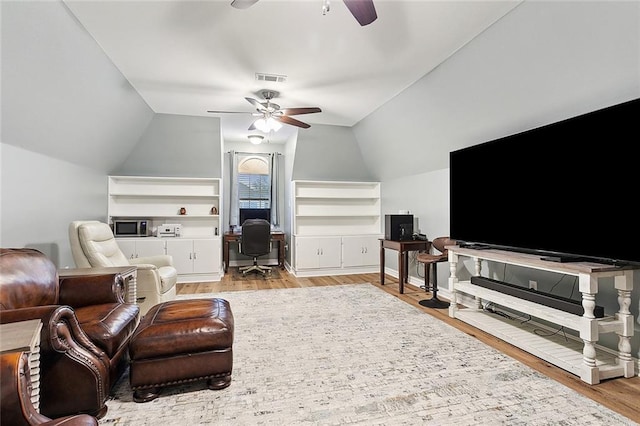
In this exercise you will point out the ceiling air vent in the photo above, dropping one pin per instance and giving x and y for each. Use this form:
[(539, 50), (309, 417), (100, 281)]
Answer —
[(274, 78)]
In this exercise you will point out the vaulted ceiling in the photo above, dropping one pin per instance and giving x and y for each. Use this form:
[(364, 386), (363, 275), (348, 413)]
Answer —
[(187, 57)]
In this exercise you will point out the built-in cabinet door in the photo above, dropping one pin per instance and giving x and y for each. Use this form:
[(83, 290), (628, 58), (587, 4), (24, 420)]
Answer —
[(198, 256), (360, 251), (206, 256), (133, 248), (307, 252), (330, 252), (128, 247), (318, 252), (182, 253), (146, 247)]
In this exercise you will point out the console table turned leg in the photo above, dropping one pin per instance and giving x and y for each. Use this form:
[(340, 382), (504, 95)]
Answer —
[(453, 280), (590, 372), (624, 285), (478, 270)]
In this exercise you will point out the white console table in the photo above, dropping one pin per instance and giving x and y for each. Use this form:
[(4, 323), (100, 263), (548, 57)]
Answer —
[(579, 356)]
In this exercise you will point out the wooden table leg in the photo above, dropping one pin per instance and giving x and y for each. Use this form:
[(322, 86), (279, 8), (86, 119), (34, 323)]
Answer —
[(225, 255), (401, 271)]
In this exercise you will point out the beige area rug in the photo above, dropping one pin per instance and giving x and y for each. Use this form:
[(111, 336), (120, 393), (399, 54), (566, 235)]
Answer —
[(353, 354)]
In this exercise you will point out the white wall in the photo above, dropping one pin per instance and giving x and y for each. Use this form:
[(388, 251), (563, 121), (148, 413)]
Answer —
[(40, 196)]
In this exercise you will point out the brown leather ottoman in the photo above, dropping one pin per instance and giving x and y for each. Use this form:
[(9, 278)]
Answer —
[(182, 341)]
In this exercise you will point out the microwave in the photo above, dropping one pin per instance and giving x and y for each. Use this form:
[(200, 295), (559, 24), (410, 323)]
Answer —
[(131, 228)]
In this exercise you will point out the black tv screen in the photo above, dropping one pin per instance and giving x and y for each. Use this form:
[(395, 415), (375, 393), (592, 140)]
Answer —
[(566, 190)]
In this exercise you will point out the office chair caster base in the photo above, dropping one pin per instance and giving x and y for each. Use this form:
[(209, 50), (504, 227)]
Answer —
[(434, 302)]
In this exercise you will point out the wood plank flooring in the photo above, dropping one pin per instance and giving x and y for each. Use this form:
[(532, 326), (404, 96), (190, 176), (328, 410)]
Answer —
[(620, 395)]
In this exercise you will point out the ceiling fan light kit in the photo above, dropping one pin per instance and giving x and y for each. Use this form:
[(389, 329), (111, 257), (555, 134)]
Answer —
[(255, 139), (267, 124), (271, 116)]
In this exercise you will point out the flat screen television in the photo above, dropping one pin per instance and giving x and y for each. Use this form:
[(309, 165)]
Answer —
[(255, 213), (567, 191)]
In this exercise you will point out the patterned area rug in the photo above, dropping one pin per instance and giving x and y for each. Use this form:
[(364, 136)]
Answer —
[(353, 354)]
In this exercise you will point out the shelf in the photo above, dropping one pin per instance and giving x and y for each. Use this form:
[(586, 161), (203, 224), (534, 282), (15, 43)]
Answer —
[(334, 197), (332, 210), (566, 354), (580, 356), (131, 195), (339, 215), (160, 200), (546, 313)]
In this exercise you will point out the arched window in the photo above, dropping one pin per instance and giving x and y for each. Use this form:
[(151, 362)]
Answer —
[(254, 183)]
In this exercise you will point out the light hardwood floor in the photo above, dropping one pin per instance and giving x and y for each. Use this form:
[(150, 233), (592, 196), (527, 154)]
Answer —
[(621, 395)]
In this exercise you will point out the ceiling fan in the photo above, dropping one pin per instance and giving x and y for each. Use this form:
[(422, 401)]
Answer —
[(270, 115), (363, 10)]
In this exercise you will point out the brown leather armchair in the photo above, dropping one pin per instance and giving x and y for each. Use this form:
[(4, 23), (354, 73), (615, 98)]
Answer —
[(86, 328), (16, 408)]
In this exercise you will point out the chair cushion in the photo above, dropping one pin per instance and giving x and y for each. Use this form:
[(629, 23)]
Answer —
[(168, 278), (431, 258), (100, 246), (109, 325)]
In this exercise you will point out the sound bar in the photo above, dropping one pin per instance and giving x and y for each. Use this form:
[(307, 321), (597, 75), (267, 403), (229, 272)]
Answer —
[(546, 299)]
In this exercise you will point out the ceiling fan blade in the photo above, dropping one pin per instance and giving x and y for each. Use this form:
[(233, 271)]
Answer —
[(253, 126), (292, 121), (256, 104), (298, 111), (363, 10), (243, 4)]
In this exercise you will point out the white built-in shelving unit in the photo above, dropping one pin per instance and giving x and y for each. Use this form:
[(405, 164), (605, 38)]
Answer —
[(197, 252), (336, 227), (581, 356)]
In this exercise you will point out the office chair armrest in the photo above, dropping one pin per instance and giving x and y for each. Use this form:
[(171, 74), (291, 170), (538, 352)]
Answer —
[(157, 261)]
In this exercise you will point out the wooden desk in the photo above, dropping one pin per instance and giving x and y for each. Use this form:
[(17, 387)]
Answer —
[(234, 237), (129, 275), (403, 248)]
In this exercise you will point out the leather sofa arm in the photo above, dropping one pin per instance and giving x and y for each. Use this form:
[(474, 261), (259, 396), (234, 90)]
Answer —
[(86, 290), (16, 404), (60, 329), (157, 261), (16, 407), (66, 351)]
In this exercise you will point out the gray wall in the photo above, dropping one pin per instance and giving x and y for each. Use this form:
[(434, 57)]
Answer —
[(41, 196), (543, 62), (61, 95), (176, 145), (328, 153), (68, 117)]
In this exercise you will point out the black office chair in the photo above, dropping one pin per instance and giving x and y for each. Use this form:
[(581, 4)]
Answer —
[(255, 241)]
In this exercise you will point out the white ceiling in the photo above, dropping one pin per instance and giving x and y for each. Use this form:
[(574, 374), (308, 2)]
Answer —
[(186, 57)]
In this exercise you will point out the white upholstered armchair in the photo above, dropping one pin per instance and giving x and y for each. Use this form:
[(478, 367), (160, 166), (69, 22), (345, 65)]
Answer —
[(94, 245)]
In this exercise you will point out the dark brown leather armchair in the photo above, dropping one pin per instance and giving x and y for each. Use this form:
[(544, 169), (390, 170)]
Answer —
[(86, 328), (16, 408)]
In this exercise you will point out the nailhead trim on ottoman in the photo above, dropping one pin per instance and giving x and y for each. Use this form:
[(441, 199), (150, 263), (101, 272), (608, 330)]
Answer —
[(182, 341)]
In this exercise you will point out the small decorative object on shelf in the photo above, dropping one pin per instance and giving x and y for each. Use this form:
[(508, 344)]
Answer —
[(183, 210), (214, 210)]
